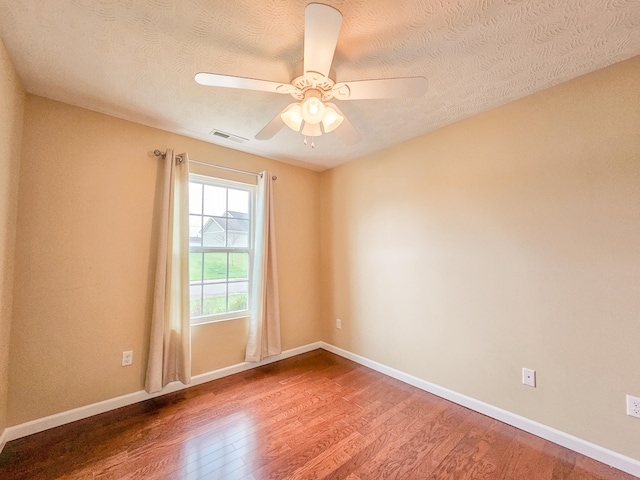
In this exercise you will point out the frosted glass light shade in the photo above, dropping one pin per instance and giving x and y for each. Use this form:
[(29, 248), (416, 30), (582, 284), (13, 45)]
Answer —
[(311, 130), (292, 116), (331, 120), (312, 108)]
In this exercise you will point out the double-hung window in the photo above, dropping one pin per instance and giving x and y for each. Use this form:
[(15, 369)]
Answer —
[(220, 248)]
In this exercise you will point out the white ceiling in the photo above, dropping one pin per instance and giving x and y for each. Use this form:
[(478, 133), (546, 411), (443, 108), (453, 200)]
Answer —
[(135, 59)]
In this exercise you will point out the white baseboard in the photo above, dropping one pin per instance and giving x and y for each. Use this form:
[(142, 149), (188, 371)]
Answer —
[(62, 418), (601, 454), (3, 440)]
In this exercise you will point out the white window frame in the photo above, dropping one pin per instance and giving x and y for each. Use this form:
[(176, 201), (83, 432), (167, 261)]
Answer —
[(251, 188)]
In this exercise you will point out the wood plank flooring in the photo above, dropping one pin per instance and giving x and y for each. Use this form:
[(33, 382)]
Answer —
[(314, 416)]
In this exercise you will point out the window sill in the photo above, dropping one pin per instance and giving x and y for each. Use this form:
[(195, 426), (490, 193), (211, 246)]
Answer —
[(215, 319)]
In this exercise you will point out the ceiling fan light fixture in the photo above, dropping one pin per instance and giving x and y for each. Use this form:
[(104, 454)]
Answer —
[(292, 116), (312, 107), (311, 130), (331, 119)]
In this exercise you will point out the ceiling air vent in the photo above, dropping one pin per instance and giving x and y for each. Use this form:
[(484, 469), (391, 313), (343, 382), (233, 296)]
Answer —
[(228, 136)]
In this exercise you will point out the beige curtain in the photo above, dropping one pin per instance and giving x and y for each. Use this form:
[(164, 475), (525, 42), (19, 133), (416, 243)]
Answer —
[(264, 326), (170, 344)]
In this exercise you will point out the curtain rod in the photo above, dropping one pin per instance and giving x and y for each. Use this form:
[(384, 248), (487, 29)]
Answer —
[(158, 153)]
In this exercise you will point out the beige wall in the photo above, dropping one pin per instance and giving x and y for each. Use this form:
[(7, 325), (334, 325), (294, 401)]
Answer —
[(84, 258), (12, 99), (505, 241)]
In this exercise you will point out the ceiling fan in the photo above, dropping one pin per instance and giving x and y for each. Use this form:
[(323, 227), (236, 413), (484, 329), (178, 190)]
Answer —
[(313, 113)]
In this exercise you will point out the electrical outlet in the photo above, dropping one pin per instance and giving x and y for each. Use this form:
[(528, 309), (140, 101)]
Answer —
[(338, 323), (529, 377), (633, 406), (127, 358)]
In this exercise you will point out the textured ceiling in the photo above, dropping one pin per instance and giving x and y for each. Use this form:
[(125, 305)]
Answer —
[(135, 59)]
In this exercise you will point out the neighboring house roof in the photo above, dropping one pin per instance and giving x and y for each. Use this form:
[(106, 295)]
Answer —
[(241, 215), (236, 222)]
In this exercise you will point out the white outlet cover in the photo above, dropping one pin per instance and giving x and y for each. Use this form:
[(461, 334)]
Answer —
[(529, 377), (633, 406), (127, 358)]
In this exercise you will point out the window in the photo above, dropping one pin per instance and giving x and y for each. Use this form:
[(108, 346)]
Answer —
[(220, 248)]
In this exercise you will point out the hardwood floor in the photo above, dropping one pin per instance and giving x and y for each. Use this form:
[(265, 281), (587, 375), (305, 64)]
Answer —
[(314, 416)]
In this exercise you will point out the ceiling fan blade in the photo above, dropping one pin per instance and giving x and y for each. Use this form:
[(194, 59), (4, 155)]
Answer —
[(271, 128), (228, 81), (346, 132), (381, 88), (321, 29)]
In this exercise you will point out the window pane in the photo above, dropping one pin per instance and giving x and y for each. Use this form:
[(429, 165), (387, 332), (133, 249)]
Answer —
[(195, 198), (195, 292), (239, 266), (215, 298), (220, 224), (214, 231), (238, 233), (195, 267), (215, 200), (195, 230), (238, 295), (215, 266), (238, 203)]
